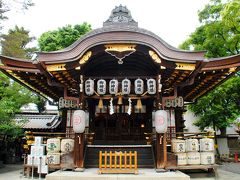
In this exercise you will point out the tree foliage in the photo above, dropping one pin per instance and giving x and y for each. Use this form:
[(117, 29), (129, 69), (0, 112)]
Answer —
[(219, 32), (12, 97), (15, 43), (12, 94), (219, 35), (63, 37)]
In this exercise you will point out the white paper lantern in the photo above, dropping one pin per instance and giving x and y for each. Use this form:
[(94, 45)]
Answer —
[(161, 121), (78, 121), (126, 86), (101, 86), (151, 86), (139, 86), (89, 87), (113, 86)]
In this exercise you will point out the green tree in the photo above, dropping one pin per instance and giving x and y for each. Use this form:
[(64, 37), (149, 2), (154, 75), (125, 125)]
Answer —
[(15, 43), (219, 35), (63, 37), (13, 95), (219, 32)]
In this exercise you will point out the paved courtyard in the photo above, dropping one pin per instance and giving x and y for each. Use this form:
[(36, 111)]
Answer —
[(226, 171)]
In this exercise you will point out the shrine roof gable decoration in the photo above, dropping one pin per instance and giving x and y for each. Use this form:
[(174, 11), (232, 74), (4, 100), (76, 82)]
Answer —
[(120, 14)]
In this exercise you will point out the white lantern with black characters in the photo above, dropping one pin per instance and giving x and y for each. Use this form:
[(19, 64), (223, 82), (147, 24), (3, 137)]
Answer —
[(126, 86), (113, 86), (89, 87), (151, 86), (101, 86), (139, 86)]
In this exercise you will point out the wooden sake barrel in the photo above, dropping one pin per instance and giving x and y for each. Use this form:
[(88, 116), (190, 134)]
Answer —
[(193, 158), (207, 158), (192, 145), (178, 145), (53, 158), (206, 144), (67, 145), (53, 145), (181, 159)]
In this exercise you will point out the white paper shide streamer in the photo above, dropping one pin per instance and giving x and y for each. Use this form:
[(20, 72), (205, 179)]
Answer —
[(161, 121), (139, 86), (111, 111), (113, 86), (129, 111), (126, 86), (101, 86), (79, 121), (151, 86), (89, 87)]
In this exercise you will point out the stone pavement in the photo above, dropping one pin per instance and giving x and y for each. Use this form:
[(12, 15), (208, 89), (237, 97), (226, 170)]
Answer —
[(229, 171)]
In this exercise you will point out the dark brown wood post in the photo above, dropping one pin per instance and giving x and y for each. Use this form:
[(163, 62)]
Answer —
[(79, 150), (161, 139), (79, 137), (161, 146)]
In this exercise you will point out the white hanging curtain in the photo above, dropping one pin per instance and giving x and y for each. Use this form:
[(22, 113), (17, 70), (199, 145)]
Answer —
[(139, 86), (101, 86), (113, 86), (126, 86), (89, 87), (151, 86)]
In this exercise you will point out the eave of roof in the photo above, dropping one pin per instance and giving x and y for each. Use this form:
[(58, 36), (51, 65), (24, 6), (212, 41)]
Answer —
[(120, 34)]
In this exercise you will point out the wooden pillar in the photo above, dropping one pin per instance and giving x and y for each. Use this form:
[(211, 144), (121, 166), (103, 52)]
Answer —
[(79, 137), (161, 146), (79, 150)]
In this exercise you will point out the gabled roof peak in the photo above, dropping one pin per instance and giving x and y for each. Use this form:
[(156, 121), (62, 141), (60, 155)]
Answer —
[(120, 15)]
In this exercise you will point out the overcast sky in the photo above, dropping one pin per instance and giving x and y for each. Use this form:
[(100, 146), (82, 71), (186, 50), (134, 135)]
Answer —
[(172, 20)]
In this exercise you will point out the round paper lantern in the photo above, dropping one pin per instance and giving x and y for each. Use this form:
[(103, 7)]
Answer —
[(151, 86), (113, 86), (161, 121), (89, 87), (79, 121), (101, 86), (139, 86), (126, 86)]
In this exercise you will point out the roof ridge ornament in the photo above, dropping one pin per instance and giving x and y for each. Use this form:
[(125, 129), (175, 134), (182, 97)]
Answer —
[(120, 15)]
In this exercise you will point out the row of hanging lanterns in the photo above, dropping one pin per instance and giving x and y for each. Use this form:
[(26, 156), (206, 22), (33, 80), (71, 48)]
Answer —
[(126, 86)]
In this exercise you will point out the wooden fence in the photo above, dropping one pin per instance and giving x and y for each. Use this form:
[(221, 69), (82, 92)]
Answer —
[(118, 162)]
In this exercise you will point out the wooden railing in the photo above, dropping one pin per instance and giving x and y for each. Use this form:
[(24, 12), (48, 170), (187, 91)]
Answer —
[(118, 162)]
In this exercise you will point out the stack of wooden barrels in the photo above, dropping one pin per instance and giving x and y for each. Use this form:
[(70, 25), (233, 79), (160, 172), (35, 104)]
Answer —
[(189, 153)]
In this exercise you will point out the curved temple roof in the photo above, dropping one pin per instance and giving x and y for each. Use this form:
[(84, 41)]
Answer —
[(52, 72)]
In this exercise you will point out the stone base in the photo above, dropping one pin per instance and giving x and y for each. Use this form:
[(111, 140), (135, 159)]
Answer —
[(92, 174)]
